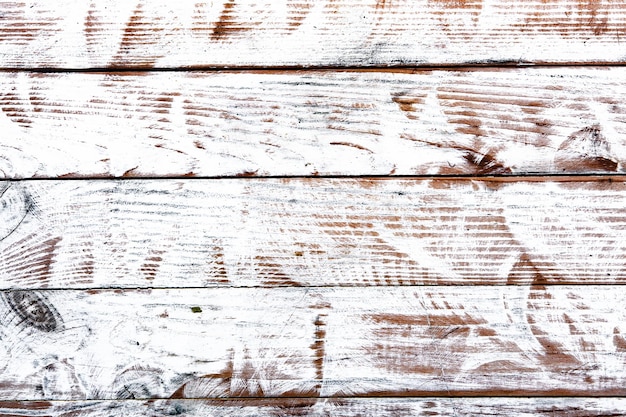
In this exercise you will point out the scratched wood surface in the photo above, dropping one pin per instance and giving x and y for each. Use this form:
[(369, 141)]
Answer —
[(324, 407), (312, 232), (192, 33), (312, 342), (488, 279), (512, 121)]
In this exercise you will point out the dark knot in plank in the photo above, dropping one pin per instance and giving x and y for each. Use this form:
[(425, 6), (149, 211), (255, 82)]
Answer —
[(33, 309)]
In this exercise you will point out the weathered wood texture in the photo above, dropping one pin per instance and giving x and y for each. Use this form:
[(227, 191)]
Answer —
[(459, 289), (336, 407), (313, 342), (312, 232), (513, 121), (163, 33)]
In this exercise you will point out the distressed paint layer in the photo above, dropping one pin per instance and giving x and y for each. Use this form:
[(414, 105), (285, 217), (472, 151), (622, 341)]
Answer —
[(312, 232), (161, 33), (483, 122), (339, 407), (251, 343)]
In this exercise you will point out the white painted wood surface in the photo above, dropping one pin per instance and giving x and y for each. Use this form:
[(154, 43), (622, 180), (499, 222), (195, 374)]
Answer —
[(511, 121), (311, 232), (312, 342), (312, 296), (191, 33), (336, 407)]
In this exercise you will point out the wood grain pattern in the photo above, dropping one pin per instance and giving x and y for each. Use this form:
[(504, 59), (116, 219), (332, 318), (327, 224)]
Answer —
[(336, 407), (254, 342), (485, 122), (166, 34), (473, 289), (311, 232)]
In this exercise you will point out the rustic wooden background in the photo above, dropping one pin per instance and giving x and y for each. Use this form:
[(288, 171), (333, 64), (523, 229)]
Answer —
[(312, 208)]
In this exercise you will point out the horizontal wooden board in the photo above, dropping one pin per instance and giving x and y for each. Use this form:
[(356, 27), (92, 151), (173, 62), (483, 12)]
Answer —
[(312, 342), (336, 407), (311, 232), (162, 33), (550, 120)]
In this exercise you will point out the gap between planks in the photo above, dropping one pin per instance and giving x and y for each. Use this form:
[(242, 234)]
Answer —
[(503, 178), (278, 399), (400, 69), (342, 407)]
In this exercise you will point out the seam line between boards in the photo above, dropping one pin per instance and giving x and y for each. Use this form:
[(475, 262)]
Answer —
[(313, 287), (355, 397), (619, 176), (323, 68)]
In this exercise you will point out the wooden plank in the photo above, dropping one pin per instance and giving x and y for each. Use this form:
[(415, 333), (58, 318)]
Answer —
[(162, 33), (311, 232), (550, 120), (337, 407), (312, 342)]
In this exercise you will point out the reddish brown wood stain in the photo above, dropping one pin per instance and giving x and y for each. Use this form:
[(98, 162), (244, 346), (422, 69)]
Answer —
[(14, 108), (586, 149), (318, 346), (227, 24), (304, 313), (297, 11), (457, 3), (139, 34)]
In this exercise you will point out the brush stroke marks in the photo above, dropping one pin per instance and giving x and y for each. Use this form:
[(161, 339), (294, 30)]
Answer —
[(595, 14), (216, 267), (92, 28), (339, 407), (409, 103), (140, 40), (379, 341), (384, 32), (29, 261), (59, 379), (423, 344), (151, 264), (362, 231), (216, 385), (457, 4), (33, 309), (15, 108), (484, 122), (27, 250), (139, 382), (583, 19), (223, 25), (237, 19), (457, 18), (586, 150), (297, 11), (23, 24), (320, 339), (15, 204)]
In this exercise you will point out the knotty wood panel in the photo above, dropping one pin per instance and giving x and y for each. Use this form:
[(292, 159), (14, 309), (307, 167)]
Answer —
[(312, 342), (162, 33), (554, 120), (311, 232), (336, 407)]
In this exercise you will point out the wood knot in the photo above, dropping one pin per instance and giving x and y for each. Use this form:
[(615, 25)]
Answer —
[(33, 309)]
